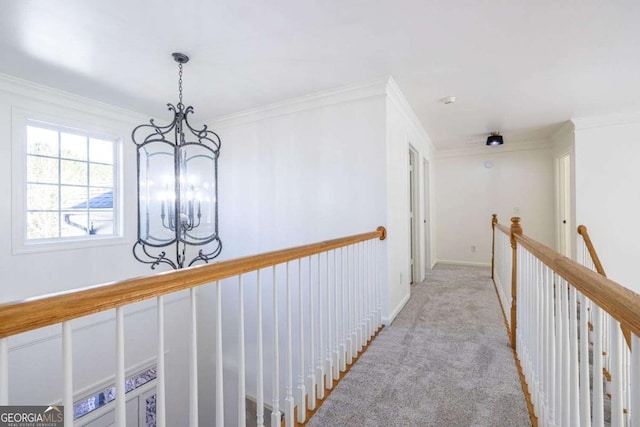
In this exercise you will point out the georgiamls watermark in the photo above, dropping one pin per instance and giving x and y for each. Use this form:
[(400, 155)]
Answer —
[(31, 416)]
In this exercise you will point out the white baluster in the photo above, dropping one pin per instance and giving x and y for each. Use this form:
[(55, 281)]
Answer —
[(320, 362), (374, 285), (311, 402), (328, 356), (242, 415), (275, 401), (160, 372), (615, 360), (336, 311), (260, 368), (289, 402), (219, 359), (566, 355), (121, 399), (363, 295), (540, 340), (634, 404), (585, 388), (4, 371), (369, 284), (358, 300), (366, 324), (626, 378), (561, 403), (193, 359), (302, 411), (379, 276), (349, 331), (549, 345), (534, 329), (353, 305), (343, 311), (67, 357), (363, 298), (598, 377), (573, 357)]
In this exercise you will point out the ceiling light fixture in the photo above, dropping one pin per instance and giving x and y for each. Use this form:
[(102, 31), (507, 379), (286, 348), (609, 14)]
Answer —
[(177, 189), (495, 139)]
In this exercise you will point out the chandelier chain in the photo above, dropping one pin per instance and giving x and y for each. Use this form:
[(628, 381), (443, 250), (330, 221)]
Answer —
[(180, 82)]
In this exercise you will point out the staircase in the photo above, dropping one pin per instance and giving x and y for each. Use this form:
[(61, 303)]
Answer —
[(554, 302)]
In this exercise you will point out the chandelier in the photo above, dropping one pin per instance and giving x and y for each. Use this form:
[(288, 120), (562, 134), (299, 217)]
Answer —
[(177, 189)]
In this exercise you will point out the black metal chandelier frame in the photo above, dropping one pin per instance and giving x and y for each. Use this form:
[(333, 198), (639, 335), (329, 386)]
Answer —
[(181, 214)]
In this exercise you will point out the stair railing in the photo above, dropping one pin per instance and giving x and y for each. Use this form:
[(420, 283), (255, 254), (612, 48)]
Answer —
[(553, 293), (502, 271), (338, 284), (588, 256)]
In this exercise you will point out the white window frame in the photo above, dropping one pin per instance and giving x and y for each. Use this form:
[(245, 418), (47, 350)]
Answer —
[(20, 120)]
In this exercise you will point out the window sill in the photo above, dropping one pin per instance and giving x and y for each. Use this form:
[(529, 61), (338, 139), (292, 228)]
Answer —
[(67, 244)]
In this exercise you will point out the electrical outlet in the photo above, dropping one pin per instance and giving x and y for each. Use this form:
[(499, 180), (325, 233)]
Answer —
[(474, 248)]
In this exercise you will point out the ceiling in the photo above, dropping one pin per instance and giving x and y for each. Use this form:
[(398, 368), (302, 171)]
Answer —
[(520, 67)]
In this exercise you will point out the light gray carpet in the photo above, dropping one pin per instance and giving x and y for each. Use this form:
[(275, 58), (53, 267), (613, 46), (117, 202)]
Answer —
[(445, 361)]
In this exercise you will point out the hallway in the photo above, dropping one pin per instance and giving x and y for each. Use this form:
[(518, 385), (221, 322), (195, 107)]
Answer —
[(445, 361)]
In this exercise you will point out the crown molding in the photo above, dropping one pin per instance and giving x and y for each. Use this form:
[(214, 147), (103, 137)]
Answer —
[(619, 119), (354, 92), (397, 97), (526, 145), (565, 130), (42, 93)]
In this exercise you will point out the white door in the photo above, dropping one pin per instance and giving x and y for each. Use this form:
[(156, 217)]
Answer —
[(564, 225), (425, 217)]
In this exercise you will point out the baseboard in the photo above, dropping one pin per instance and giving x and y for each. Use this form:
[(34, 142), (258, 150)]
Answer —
[(389, 319), (469, 263)]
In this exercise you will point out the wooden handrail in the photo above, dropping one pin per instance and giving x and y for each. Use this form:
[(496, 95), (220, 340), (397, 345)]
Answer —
[(582, 230), (494, 221), (33, 313), (621, 303), (504, 229), (515, 231)]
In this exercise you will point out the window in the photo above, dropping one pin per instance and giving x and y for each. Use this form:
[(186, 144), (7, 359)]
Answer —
[(70, 184), (141, 385)]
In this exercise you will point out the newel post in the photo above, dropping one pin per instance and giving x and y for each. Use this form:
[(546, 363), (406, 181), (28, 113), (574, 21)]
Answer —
[(516, 229), (494, 221)]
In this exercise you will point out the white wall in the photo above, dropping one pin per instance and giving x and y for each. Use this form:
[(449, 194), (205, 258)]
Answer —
[(607, 192), (300, 172), (319, 167), (468, 193), (404, 131), (322, 166), (34, 358)]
